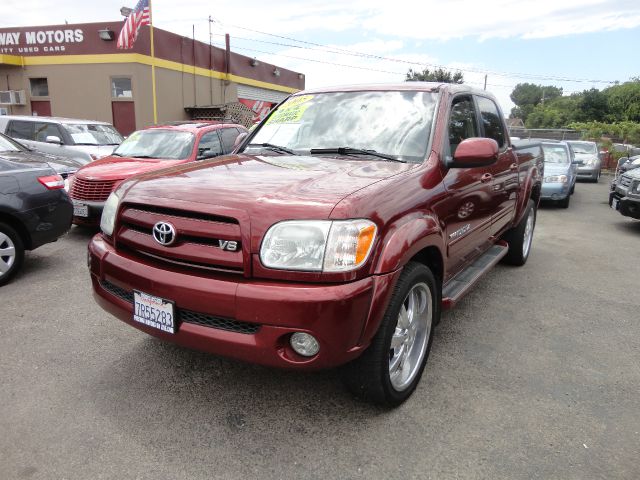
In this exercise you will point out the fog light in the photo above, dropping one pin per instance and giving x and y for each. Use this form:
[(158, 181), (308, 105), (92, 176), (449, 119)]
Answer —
[(304, 344)]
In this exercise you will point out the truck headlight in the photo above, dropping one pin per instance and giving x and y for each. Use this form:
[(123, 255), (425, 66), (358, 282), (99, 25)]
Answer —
[(635, 187), (556, 179), (109, 212), (318, 245)]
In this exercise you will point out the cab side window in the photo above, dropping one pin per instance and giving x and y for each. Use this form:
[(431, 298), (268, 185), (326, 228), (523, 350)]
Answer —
[(491, 121), (462, 122), (209, 145), (21, 130), (228, 138)]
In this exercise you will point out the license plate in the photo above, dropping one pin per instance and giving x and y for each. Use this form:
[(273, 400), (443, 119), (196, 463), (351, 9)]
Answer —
[(614, 203), (154, 311), (80, 209)]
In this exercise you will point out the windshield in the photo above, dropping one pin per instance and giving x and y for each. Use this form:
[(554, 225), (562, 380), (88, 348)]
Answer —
[(8, 145), (87, 134), (584, 147), (391, 123), (157, 143), (555, 154)]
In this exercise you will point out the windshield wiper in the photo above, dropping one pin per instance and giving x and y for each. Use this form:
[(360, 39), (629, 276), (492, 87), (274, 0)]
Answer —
[(354, 151), (116, 154), (140, 156), (271, 146)]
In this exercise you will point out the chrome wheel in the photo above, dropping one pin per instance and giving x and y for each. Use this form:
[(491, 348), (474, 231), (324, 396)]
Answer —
[(411, 336), (528, 233), (7, 254)]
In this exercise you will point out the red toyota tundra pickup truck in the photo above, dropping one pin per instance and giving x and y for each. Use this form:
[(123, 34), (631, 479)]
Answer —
[(334, 235)]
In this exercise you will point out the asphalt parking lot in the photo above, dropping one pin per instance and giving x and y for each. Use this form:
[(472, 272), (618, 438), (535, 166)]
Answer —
[(536, 374)]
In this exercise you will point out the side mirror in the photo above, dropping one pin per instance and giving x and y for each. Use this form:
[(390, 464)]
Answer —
[(475, 152), (239, 139), (53, 139)]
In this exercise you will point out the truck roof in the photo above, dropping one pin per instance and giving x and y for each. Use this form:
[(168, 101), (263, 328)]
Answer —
[(404, 86)]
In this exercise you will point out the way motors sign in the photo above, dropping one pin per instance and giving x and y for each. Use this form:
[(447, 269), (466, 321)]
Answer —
[(37, 41)]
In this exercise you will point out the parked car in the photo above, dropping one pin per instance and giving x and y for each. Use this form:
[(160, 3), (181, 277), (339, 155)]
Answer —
[(16, 152), (625, 197), (343, 224), (559, 172), (80, 140), (589, 155), (143, 151), (34, 210)]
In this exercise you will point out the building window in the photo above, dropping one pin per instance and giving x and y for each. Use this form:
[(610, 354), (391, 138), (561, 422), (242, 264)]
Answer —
[(39, 87), (121, 87)]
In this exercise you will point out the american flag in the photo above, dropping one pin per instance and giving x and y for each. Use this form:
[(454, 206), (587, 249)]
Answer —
[(136, 19)]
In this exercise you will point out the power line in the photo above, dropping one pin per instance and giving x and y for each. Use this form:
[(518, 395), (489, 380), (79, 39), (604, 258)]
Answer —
[(342, 51)]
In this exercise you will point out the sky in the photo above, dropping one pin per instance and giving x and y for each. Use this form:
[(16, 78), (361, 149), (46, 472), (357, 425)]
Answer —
[(573, 44)]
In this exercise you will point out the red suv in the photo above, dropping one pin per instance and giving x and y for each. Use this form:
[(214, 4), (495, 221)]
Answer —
[(143, 151)]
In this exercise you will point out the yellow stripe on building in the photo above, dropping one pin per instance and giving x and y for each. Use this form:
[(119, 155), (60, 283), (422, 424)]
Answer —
[(137, 58)]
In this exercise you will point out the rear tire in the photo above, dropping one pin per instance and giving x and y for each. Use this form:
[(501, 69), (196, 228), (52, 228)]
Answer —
[(389, 370), (520, 237), (595, 180), (11, 253)]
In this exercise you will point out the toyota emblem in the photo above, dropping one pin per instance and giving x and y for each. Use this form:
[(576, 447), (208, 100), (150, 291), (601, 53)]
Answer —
[(164, 233)]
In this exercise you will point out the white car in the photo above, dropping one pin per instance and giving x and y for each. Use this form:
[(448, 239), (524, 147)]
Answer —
[(80, 140)]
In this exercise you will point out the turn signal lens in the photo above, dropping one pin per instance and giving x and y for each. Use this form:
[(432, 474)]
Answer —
[(365, 239), (349, 244), (52, 182)]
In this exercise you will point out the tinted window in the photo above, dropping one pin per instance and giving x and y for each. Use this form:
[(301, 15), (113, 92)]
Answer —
[(43, 130), (39, 87), (228, 138), (22, 130), (462, 122), (491, 121), (209, 145)]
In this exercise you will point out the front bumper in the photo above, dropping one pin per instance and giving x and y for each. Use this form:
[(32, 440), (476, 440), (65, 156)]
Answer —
[(590, 173), (627, 206), (554, 191), (260, 315), (94, 213)]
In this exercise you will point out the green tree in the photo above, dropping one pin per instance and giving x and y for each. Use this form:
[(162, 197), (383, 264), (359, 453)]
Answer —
[(437, 75), (593, 106), (624, 101), (526, 96)]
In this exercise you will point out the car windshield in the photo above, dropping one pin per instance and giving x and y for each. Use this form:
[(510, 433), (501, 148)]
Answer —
[(555, 154), (8, 145), (88, 134), (391, 123), (584, 147), (157, 143)]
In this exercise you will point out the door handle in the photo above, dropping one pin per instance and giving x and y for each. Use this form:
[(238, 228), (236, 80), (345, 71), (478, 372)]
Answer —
[(486, 178), (513, 167)]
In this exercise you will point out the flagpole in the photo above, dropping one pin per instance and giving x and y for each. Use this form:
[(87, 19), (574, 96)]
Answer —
[(153, 67)]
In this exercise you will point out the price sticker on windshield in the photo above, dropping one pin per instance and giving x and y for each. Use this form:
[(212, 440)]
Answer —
[(292, 111)]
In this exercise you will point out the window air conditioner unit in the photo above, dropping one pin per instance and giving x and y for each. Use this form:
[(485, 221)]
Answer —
[(18, 97), (4, 111), (5, 97), (12, 97)]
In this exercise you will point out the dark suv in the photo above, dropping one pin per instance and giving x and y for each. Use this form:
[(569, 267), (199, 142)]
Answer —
[(34, 210)]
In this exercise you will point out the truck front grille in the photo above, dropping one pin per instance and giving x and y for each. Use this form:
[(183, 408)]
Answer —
[(203, 240), (625, 181), (189, 316), (91, 190)]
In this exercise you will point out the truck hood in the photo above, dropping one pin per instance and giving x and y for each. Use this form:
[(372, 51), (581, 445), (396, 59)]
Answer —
[(118, 168), (268, 188)]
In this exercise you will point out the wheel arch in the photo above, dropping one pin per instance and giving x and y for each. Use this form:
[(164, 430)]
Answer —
[(18, 226)]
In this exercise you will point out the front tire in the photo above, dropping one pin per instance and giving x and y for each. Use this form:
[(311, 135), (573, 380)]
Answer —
[(11, 253), (520, 237), (564, 203), (389, 370)]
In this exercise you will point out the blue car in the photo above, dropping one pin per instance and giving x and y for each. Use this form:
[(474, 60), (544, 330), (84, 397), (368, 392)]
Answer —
[(560, 172)]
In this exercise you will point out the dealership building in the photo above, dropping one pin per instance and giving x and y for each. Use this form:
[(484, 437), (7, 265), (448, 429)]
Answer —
[(77, 71)]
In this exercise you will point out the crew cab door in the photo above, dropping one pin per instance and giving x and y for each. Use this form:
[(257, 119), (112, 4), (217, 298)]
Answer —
[(466, 210), (505, 183)]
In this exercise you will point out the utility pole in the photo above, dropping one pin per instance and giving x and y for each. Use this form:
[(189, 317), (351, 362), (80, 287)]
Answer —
[(485, 82)]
